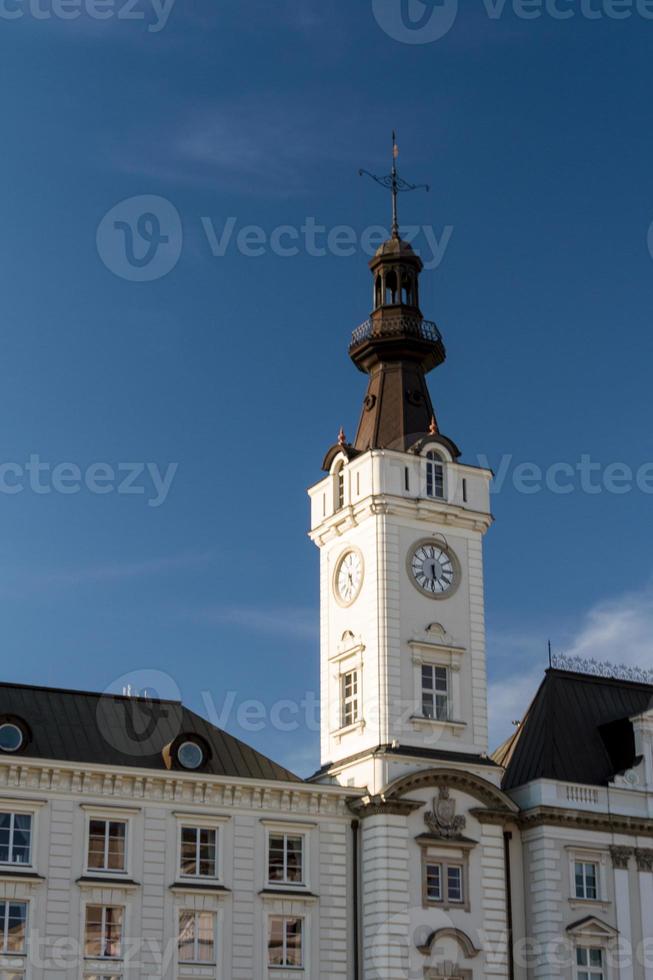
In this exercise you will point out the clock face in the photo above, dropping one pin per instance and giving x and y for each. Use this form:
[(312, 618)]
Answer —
[(433, 569), (349, 577)]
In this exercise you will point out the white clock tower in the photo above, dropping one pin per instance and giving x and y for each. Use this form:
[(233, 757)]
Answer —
[(399, 522)]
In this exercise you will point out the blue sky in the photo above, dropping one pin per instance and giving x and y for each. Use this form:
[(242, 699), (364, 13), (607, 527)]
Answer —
[(535, 135)]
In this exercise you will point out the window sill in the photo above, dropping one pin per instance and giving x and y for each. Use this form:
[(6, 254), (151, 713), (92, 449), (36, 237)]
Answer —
[(340, 733), (7, 873), (448, 906), (589, 903), (419, 721)]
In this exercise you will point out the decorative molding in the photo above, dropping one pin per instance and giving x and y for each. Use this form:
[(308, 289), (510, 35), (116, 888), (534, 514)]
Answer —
[(442, 820), (644, 858), (621, 857), (374, 806), (447, 971), (484, 791), (595, 668), (463, 940), (585, 820)]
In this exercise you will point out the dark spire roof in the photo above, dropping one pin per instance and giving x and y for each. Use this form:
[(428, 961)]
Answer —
[(576, 730), (107, 729)]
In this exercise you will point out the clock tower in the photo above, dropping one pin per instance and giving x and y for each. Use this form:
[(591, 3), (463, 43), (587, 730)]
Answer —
[(399, 521)]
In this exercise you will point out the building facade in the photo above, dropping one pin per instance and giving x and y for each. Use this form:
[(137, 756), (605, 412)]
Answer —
[(139, 841)]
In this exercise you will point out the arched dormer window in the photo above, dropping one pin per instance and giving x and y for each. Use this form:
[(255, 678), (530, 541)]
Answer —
[(434, 475)]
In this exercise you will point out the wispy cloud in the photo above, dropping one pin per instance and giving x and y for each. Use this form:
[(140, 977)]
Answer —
[(289, 621), (617, 630)]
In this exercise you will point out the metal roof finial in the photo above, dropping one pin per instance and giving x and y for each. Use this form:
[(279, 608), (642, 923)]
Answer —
[(433, 428), (342, 438), (396, 184)]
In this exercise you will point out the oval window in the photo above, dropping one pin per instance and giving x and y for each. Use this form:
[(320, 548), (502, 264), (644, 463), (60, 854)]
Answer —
[(11, 737), (190, 755)]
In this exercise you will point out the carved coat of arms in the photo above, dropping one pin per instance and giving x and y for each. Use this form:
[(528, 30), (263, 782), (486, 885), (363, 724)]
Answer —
[(442, 819)]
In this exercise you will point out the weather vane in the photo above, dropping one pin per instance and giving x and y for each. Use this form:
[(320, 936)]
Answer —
[(396, 184)]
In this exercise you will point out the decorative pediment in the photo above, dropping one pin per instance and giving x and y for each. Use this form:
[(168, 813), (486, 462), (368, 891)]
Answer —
[(454, 779), (442, 820), (592, 928)]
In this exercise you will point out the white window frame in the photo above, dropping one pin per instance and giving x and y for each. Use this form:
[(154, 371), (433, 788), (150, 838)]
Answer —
[(352, 700), (107, 819), (196, 961), (435, 461), (585, 855), (13, 813), (103, 932), (286, 832), (198, 827), (586, 973), (284, 918), (433, 668), (584, 865), (276, 828), (4, 952)]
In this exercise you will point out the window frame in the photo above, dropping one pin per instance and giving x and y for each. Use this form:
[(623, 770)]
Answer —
[(13, 813), (121, 943), (287, 832), (352, 701), (584, 864), (436, 474), (198, 826), (446, 859), (197, 913), (4, 951), (108, 819), (587, 972), (433, 668), (284, 919)]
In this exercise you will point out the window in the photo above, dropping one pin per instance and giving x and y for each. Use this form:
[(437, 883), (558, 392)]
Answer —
[(15, 838), (434, 475), (13, 926), (103, 932), (349, 699), (286, 859), (444, 883), (190, 755), (196, 943), (590, 964), (11, 737), (340, 488), (435, 692), (587, 880), (198, 852), (285, 942), (106, 845)]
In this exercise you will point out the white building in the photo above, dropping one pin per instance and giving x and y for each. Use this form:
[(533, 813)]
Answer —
[(138, 841)]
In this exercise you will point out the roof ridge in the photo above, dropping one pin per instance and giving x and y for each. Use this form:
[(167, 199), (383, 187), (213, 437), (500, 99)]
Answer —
[(80, 693)]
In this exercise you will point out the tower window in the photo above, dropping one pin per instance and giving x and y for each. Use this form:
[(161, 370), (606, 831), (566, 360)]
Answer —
[(391, 289), (435, 692), (349, 704), (590, 964), (444, 883), (434, 475), (340, 487)]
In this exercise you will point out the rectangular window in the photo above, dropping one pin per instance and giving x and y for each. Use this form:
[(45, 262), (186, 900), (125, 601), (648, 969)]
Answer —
[(103, 931), (587, 880), (435, 692), (444, 883), (285, 942), (198, 852), (13, 926), (407, 479), (349, 713), (106, 845), (434, 476), (196, 943), (590, 964), (286, 859), (15, 838), (464, 491)]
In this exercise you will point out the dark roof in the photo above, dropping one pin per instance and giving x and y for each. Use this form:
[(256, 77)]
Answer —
[(576, 730), (113, 730), (407, 751)]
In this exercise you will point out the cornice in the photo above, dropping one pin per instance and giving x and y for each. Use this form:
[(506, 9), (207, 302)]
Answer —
[(106, 786), (375, 806), (585, 820)]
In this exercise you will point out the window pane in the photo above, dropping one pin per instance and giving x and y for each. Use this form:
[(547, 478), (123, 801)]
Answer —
[(17, 918), (113, 931), (117, 835), (276, 859), (596, 957), (186, 941), (188, 850), (275, 942), (293, 942), (207, 853), (205, 933), (455, 884), (581, 957), (295, 859), (434, 882), (93, 932), (96, 840)]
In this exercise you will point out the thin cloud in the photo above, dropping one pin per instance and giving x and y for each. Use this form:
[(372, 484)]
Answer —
[(619, 631)]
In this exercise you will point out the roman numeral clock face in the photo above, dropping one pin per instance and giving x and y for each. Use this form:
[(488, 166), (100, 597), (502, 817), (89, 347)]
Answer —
[(349, 577), (434, 570)]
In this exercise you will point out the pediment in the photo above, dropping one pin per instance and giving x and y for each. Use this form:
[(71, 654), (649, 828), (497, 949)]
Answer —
[(592, 928)]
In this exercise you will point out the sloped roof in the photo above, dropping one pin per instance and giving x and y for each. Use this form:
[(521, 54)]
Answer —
[(107, 729), (576, 730)]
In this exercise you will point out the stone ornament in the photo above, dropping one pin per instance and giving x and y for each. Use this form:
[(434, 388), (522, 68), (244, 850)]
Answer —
[(644, 858), (620, 857), (442, 820)]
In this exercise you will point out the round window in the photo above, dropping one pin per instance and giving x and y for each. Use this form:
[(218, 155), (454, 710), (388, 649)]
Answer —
[(190, 755), (11, 737)]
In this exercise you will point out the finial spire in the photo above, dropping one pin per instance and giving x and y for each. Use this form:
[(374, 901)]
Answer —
[(394, 183), (342, 438)]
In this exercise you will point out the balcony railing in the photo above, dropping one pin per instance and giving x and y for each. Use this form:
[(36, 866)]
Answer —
[(397, 325)]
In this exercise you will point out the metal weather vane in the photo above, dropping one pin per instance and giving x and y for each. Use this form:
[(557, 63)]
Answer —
[(393, 182)]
